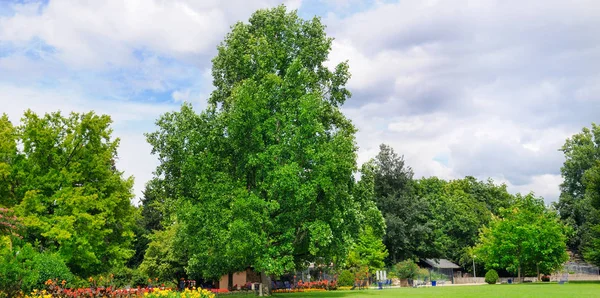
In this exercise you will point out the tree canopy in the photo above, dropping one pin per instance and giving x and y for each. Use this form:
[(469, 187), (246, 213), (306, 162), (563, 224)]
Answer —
[(264, 176), (525, 238), (579, 201), (63, 184), (408, 217)]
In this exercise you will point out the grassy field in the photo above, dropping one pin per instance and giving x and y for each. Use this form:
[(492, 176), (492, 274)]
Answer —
[(523, 290)]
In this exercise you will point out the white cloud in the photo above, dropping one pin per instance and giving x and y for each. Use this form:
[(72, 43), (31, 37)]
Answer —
[(97, 34), (486, 88)]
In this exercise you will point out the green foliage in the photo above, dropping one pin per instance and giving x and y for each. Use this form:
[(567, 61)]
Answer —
[(163, 259), (434, 275), (580, 192), (50, 266), (264, 176), (8, 157), (430, 217), (591, 250), (409, 230), (139, 278), (369, 252), (407, 269), (527, 236), (65, 188), (346, 278), (17, 270), (22, 268), (459, 209), (491, 277)]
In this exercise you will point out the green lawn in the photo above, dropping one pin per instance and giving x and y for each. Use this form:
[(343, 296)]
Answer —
[(523, 290)]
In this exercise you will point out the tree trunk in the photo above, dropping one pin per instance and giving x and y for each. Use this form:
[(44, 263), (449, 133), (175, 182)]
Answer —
[(519, 274), (266, 281), (537, 268)]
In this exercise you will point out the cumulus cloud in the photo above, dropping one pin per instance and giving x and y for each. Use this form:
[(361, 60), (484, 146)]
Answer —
[(133, 60), (104, 33), (486, 88)]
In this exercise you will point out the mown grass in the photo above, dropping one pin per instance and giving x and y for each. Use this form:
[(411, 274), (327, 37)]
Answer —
[(579, 290)]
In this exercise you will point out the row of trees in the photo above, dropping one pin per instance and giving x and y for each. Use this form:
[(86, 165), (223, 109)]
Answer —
[(264, 177)]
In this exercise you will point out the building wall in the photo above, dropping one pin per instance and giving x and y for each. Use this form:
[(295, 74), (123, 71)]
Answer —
[(238, 278), (224, 282)]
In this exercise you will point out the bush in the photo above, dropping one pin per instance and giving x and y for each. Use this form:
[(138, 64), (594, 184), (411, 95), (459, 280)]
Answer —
[(139, 278), (346, 278), (16, 270), (50, 266), (406, 269), (491, 277), (122, 276)]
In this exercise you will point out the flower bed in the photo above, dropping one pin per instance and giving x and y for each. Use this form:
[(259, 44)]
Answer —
[(55, 289)]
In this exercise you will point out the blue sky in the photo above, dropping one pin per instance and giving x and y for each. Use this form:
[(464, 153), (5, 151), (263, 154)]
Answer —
[(486, 88)]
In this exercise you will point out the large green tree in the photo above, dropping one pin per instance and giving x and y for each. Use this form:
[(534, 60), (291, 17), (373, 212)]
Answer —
[(526, 238), (263, 177), (459, 208), (63, 183), (579, 200), (408, 217)]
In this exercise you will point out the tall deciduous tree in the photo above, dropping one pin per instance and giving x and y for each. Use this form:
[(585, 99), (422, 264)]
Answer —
[(576, 203), (64, 185), (8, 157), (459, 208), (264, 176), (526, 237)]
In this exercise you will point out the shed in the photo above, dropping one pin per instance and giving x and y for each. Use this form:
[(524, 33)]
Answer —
[(441, 269)]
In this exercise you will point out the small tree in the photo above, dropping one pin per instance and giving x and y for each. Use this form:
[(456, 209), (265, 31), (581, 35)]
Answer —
[(346, 278), (369, 252), (407, 269), (491, 277), (527, 236)]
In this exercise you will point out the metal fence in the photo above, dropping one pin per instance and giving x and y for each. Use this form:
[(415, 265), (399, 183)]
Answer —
[(581, 268)]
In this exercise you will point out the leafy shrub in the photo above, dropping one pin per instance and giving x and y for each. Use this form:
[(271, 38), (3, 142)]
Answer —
[(407, 269), (139, 278), (122, 276), (437, 276), (50, 266), (16, 270), (346, 278), (423, 274), (491, 277)]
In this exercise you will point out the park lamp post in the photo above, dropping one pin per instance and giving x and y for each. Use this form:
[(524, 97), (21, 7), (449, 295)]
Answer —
[(474, 275)]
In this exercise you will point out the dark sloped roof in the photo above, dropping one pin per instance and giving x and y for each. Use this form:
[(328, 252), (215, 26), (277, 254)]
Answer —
[(441, 263)]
